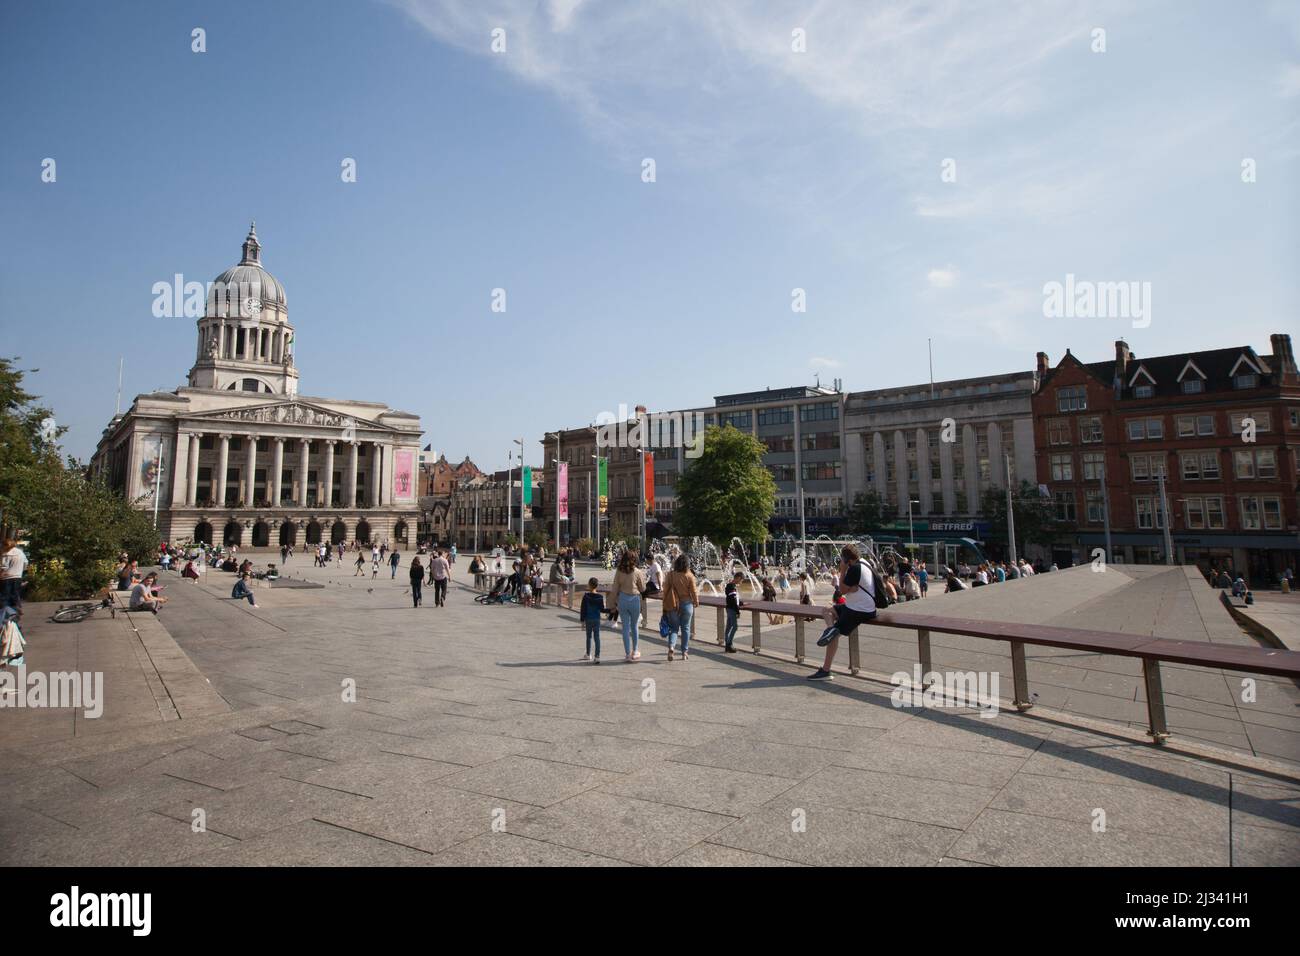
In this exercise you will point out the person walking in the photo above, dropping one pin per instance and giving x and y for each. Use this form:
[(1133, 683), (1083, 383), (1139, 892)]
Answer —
[(732, 593), (13, 564), (629, 584), (593, 606), (394, 560), (374, 568), (440, 574), (417, 581), (680, 600), (361, 564)]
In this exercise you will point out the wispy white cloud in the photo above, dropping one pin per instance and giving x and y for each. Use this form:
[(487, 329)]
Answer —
[(941, 278)]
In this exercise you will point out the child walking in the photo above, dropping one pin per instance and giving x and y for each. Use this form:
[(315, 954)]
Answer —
[(593, 605)]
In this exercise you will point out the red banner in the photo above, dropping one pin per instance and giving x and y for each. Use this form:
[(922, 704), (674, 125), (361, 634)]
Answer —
[(649, 483)]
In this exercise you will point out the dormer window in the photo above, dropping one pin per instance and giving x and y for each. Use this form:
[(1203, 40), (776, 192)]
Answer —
[(1144, 391), (1245, 380), (1193, 386)]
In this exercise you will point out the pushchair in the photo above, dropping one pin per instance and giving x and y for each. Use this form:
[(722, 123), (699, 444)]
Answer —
[(498, 594)]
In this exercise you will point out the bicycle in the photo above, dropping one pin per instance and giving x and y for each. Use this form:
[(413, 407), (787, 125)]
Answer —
[(75, 613)]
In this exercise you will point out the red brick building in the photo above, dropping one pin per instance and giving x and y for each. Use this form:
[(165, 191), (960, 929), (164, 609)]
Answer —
[(1232, 500), (440, 477)]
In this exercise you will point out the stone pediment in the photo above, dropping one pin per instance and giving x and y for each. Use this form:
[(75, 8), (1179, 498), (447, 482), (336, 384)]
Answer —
[(285, 413)]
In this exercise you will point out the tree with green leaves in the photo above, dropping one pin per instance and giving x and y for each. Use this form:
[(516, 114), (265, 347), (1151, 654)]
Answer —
[(76, 527), (867, 513), (1036, 521), (727, 492)]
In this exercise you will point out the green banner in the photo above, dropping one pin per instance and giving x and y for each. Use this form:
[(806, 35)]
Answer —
[(602, 477), (528, 484)]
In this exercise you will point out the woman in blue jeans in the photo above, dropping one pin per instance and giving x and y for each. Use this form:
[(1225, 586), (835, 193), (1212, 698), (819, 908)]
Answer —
[(680, 601), (629, 582)]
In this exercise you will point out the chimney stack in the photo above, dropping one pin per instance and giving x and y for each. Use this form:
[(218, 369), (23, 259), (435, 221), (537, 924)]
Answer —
[(1122, 356), (1283, 357), (1041, 368)]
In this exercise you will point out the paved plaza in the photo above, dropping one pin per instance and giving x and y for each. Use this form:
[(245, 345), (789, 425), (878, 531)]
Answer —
[(477, 737)]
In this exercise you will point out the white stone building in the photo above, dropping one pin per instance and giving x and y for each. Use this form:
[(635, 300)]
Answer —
[(237, 456)]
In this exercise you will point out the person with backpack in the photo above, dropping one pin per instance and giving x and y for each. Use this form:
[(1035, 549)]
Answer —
[(860, 597)]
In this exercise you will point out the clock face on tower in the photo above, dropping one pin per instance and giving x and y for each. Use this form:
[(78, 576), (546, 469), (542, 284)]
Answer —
[(251, 306)]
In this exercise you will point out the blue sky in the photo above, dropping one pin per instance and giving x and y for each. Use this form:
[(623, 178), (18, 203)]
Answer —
[(521, 170)]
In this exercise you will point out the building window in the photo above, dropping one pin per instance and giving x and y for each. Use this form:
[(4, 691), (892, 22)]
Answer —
[(820, 441), (1093, 506), (1249, 380), (1249, 514), (1090, 429), (1210, 465), (1272, 508), (1062, 467), (1205, 513), (740, 420), (1193, 386), (1065, 506), (1145, 428), (819, 412), (1147, 511), (1191, 425), (1094, 465), (1243, 464), (1072, 398), (1058, 431), (821, 470), (775, 416), (1262, 419), (1144, 391), (779, 443)]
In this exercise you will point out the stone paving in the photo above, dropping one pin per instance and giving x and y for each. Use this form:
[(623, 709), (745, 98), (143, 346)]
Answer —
[(477, 737)]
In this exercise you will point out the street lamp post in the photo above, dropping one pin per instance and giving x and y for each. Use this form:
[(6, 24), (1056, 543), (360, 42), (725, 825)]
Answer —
[(1105, 514), (596, 504), (911, 528), (1164, 520), (522, 522), (476, 491), (157, 487)]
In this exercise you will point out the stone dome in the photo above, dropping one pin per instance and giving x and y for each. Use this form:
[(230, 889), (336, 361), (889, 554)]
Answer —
[(247, 280)]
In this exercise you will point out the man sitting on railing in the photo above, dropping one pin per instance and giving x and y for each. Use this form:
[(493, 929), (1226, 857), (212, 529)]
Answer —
[(856, 606)]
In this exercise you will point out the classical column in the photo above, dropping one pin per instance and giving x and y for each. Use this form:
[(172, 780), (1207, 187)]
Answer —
[(329, 474), (997, 470), (304, 452), (223, 472), (350, 488), (174, 480), (946, 480), (192, 482), (924, 477), (971, 458), (250, 483), (901, 484), (277, 469), (878, 464), (376, 461)]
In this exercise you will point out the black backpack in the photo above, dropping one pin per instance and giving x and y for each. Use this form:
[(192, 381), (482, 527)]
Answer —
[(879, 596)]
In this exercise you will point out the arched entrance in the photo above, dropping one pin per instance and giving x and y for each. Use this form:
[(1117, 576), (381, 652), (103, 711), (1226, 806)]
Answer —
[(399, 532), (363, 531), (313, 531), (288, 534), (338, 533), (203, 533), (231, 535), (261, 534)]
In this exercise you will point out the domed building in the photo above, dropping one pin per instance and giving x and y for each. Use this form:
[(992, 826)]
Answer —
[(238, 457)]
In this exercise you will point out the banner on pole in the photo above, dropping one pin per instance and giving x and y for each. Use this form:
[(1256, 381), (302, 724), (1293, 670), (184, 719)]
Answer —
[(527, 478), (562, 490), (649, 483)]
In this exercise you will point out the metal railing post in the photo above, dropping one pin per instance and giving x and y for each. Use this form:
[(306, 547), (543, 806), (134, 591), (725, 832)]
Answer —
[(1020, 675), (1158, 729)]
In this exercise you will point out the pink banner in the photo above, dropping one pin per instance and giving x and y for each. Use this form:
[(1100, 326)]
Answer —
[(563, 475), (402, 474)]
